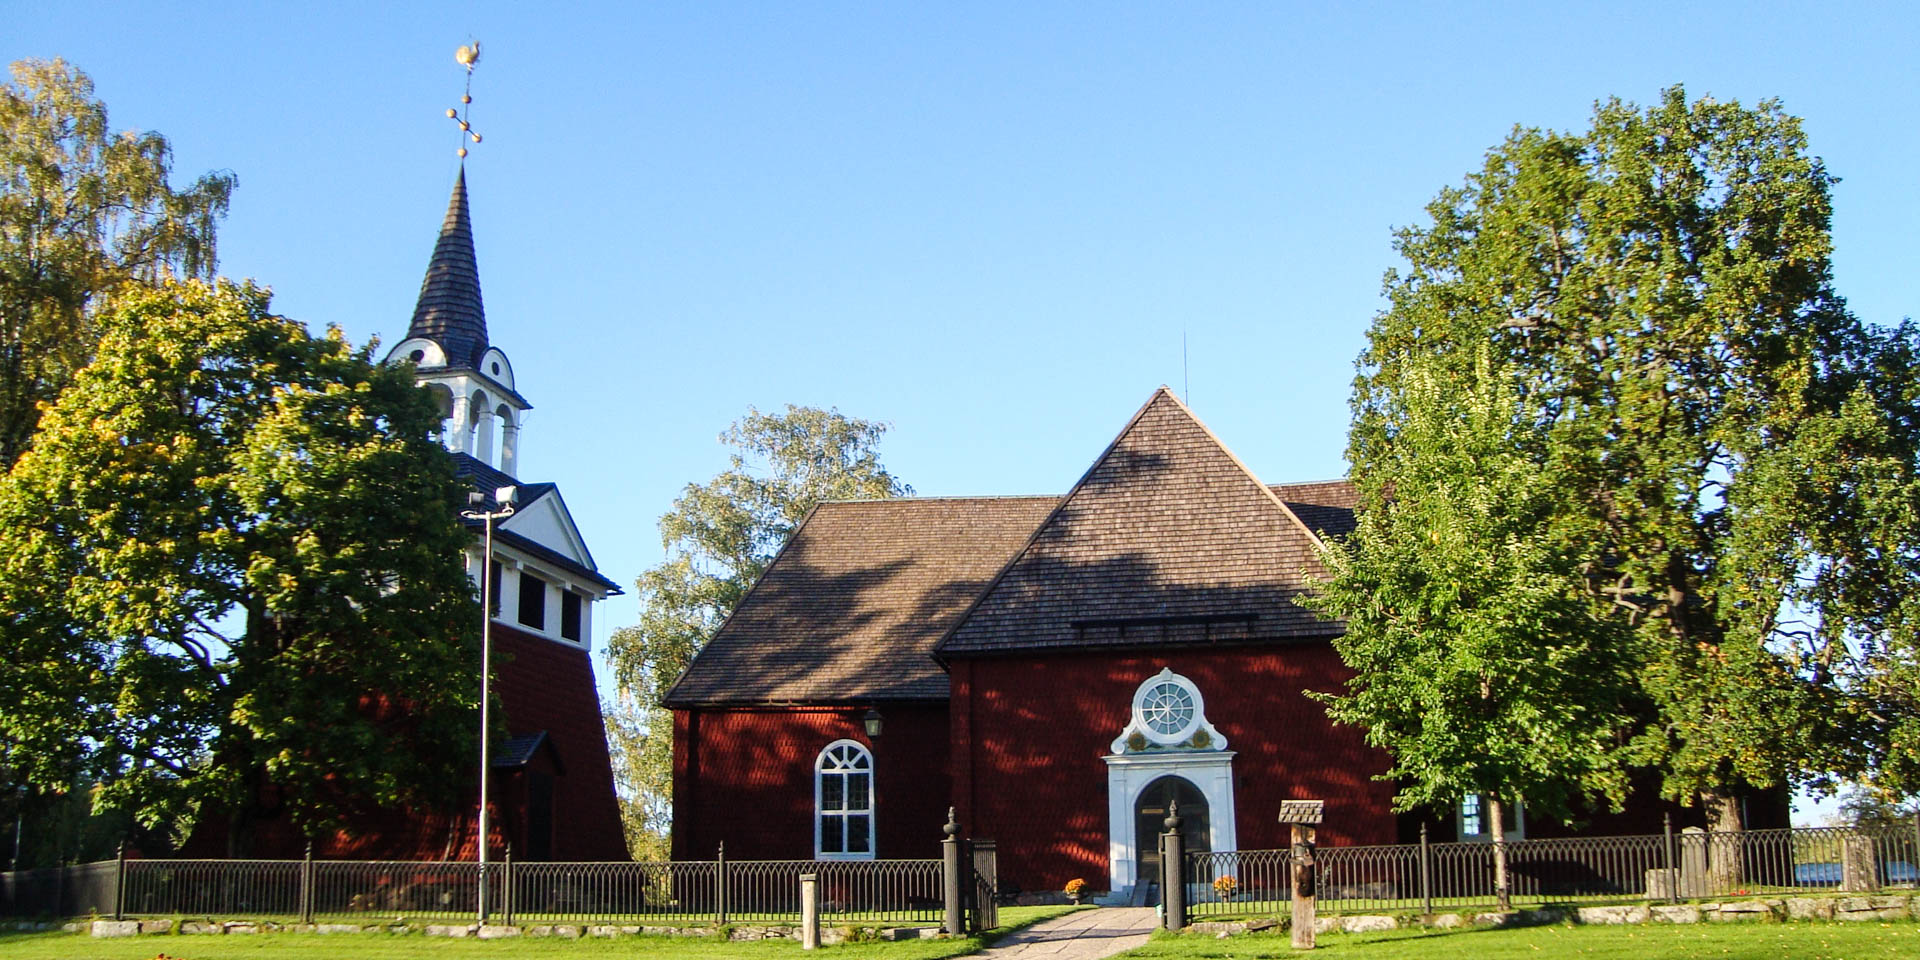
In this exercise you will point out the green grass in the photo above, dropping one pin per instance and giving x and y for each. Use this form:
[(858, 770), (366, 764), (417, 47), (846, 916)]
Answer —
[(379, 946), (1745, 941)]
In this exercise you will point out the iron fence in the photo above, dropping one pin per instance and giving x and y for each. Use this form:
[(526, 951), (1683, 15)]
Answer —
[(906, 892), (1692, 864)]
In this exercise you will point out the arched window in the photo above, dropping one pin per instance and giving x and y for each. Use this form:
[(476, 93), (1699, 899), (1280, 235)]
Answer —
[(843, 802)]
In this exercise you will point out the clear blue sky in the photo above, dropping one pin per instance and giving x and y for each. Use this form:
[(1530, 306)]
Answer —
[(988, 224)]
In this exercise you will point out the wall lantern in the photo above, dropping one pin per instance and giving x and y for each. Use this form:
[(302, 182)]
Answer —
[(872, 722)]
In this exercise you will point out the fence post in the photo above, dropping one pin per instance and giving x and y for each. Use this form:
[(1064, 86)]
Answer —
[(950, 876), (1426, 874), (1673, 882), (1173, 871), (120, 882), (306, 886), (506, 882), (809, 911), (720, 883)]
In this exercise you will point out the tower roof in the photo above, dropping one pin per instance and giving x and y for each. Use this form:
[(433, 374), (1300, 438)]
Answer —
[(449, 311)]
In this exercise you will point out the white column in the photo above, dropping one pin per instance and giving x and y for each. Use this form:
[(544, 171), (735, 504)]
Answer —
[(509, 447), (483, 437), (460, 426)]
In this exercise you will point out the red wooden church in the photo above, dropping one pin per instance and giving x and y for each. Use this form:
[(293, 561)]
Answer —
[(1055, 668)]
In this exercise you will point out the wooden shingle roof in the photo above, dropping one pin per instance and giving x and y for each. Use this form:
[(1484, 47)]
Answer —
[(1169, 538), (851, 608), (449, 311)]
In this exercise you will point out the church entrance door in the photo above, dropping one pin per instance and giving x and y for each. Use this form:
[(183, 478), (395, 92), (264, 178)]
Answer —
[(1149, 814)]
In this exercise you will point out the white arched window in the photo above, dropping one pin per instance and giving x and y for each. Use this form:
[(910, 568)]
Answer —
[(843, 802)]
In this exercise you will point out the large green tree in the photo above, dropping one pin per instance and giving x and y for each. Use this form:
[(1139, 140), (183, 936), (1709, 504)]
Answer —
[(232, 560), (719, 536), (1716, 459), (83, 211)]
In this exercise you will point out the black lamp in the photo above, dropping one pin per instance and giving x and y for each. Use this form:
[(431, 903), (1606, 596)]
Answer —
[(872, 722)]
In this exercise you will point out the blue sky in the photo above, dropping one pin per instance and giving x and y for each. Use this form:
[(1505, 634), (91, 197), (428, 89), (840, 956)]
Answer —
[(988, 224)]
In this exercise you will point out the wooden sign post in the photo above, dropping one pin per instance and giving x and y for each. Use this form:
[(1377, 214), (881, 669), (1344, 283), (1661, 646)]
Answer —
[(1304, 817)]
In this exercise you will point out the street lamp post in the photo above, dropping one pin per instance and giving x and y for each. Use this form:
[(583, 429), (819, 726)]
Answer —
[(504, 497)]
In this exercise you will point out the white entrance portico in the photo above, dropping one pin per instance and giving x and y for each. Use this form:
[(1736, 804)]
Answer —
[(1167, 735)]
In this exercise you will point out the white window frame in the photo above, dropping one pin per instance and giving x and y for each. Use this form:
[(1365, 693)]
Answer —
[(1519, 831), (820, 773)]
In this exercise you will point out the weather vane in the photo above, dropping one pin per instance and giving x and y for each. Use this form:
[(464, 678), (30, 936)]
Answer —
[(467, 56)]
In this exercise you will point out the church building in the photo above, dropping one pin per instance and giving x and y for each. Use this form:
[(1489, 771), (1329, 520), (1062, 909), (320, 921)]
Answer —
[(1056, 669), (552, 783)]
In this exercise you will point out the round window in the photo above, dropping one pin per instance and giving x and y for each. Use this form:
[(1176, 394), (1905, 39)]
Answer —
[(1167, 708), (496, 367)]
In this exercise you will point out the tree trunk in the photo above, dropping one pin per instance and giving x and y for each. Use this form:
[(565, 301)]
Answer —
[(1726, 856), (1496, 813)]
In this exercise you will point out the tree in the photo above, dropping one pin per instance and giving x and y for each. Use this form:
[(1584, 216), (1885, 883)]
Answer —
[(235, 564), (82, 211), (1479, 665), (1728, 456), (719, 537)]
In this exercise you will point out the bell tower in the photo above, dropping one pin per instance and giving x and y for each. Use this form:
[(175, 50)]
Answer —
[(447, 343)]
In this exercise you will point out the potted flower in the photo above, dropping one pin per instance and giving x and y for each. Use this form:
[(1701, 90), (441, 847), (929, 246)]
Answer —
[(1076, 888), (1224, 887)]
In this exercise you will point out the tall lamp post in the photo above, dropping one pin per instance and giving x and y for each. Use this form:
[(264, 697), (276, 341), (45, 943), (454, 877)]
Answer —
[(504, 498)]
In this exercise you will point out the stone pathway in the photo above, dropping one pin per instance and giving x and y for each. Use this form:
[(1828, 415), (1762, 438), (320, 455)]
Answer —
[(1080, 935)]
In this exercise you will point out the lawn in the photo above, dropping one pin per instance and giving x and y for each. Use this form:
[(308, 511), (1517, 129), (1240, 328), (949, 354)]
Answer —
[(1755, 941), (380, 946)]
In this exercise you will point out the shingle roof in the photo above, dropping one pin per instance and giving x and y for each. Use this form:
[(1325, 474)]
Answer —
[(851, 608), (1168, 538), (1326, 507), (449, 311)]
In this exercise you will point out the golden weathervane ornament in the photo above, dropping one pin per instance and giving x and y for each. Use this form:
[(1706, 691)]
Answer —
[(466, 56)]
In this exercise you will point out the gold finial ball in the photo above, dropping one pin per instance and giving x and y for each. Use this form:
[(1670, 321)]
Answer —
[(468, 55), (451, 113), (462, 152), (464, 98), (475, 136)]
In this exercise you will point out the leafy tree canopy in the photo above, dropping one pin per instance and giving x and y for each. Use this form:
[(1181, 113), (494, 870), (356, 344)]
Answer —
[(1632, 335), (719, 537), (82, 211), (233, 558)]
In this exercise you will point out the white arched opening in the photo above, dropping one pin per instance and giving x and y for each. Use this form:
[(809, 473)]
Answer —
[(443, 402), (843, 802), (482, 428)]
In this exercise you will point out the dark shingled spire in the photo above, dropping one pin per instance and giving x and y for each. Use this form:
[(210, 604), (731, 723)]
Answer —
[(450, 312)]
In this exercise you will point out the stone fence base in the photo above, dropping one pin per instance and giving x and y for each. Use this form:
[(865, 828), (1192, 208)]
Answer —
[(1899, 907), (491, 931)]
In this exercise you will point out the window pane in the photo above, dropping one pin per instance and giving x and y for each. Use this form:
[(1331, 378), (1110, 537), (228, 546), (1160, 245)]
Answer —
[(857, 839), (833, 788), (570, 615), (857, 792), (533, 601), (830, 840)]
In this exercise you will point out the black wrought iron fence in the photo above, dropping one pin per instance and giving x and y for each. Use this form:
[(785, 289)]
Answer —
[(1430, 877), (369, 892)]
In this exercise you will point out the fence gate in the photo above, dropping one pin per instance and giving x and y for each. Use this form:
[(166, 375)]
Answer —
[(983, 903)]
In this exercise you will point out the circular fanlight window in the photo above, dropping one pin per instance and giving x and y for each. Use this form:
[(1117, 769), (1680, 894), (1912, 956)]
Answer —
[(1167, 708)]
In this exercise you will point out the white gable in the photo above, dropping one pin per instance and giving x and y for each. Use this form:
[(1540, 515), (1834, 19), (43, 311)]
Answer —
[(546, 522)]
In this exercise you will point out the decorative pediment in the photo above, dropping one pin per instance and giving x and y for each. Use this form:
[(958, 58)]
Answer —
[(1168, 715), (546, 521)]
